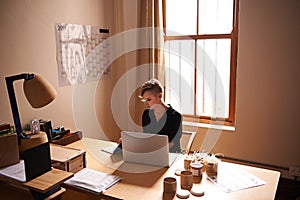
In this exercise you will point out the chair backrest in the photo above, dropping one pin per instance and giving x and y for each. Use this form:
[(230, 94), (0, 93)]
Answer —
[(186, 140)]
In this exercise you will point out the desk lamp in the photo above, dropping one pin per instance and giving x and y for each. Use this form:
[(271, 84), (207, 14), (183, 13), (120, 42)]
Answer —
[(38, 92)]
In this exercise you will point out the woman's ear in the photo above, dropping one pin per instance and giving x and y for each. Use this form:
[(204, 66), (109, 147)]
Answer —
[(160, 95)]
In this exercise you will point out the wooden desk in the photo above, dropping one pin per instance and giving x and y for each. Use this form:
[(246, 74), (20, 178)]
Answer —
[(149, 185)]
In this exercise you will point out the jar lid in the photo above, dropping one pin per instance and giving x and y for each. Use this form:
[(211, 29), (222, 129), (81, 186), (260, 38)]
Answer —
[(196, 165), (183, 194), (178, 171), (197, 192)]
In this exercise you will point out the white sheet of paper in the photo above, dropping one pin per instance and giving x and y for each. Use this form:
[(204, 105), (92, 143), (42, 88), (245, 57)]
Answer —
[(232, 181), (93, 180), (16, 171)]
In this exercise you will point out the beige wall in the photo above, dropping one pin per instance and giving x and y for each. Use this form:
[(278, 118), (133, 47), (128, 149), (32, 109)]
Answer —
[(28, 45), (268, 68), (267, 109)]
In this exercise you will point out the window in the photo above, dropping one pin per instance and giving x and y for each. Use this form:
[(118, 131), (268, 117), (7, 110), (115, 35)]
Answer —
[(200, 57)]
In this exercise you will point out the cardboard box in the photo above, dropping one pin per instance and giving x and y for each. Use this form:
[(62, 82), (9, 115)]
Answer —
[(9, 150), (68, 159)]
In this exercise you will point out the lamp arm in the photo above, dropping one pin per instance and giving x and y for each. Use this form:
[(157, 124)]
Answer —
[(13, 101)]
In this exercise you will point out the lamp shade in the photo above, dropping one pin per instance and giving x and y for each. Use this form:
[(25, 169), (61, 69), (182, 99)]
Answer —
[(38, 91)]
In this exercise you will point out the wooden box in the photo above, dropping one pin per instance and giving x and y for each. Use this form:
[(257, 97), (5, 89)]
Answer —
[(9, 150), (66, 158)]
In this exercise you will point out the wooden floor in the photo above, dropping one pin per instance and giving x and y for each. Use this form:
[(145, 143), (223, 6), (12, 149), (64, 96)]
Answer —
[(288, 190)]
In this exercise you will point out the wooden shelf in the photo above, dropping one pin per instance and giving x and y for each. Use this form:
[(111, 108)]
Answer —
[(48, 180)]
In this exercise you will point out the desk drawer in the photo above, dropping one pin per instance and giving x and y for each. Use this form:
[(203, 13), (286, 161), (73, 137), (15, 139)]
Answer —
[(76, 164), (68, 159)]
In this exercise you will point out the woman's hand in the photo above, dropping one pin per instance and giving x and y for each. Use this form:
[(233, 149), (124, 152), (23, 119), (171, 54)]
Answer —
[(119, 141), (171, 144)]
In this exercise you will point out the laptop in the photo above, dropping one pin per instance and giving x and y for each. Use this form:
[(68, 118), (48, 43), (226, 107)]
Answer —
[(146, 149)]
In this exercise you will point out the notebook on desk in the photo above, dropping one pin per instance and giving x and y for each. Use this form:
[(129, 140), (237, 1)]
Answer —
[(146, 149)]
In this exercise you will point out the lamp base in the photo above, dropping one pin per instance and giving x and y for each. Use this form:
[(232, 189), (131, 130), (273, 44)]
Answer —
[(33, 141)]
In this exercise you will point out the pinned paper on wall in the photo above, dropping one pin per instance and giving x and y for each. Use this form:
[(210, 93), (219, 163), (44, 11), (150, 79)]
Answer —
[(82, 53)]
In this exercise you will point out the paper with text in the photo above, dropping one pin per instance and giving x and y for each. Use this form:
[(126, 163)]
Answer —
[(93, 180), (236, 180)]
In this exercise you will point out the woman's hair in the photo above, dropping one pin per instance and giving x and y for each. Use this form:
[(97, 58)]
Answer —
[(152, 85)]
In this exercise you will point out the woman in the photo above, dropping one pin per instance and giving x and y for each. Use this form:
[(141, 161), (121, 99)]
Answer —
[(158, 117)]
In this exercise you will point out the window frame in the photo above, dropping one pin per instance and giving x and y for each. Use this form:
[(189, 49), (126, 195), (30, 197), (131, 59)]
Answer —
[(233, 65)]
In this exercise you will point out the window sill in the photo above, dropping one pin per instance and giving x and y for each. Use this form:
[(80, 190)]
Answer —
[(210, 126)]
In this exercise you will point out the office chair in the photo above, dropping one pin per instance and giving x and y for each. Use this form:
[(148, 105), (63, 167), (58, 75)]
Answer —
[(186, 140)]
